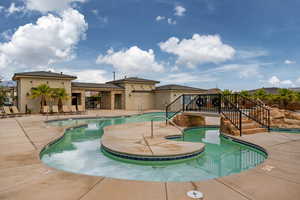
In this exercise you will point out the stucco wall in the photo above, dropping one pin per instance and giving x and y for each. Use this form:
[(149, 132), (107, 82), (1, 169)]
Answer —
[(139, 100), (26, 84), (162, 99)]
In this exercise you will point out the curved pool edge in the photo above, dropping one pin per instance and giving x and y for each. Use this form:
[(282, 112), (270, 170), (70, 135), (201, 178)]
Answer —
[(66, 128), (236, 186)]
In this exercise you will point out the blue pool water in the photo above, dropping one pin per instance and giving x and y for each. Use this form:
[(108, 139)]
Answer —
[(79, 152)]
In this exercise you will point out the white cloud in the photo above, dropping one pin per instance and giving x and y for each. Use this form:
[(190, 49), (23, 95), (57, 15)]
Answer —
[(198, 50), (298, 80), (182, 78), (175, 69), (246, 54), (132, 61), (88, 75), (50, 5), (171, 21), (159, 18), (13, 9), (6, 35), (243, 70), (179, 10), (275, 81), (51, 39), (288, 62)]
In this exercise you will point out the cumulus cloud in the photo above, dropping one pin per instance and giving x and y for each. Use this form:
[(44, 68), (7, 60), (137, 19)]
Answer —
[(289, 62), (275, 81), (179, 10), (51, 39), (198, 50), (50, 5), (131, 61), (159, 18)]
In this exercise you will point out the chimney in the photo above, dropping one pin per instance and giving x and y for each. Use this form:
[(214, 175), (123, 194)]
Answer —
[(61, 73)]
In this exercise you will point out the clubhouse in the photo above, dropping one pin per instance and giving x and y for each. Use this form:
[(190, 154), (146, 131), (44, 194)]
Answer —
[(131, 93)]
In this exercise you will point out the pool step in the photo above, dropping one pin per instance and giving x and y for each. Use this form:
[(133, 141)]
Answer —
[(249, 126)]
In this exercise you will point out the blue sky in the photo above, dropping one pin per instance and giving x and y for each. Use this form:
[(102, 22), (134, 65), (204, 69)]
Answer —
[(203, 43)]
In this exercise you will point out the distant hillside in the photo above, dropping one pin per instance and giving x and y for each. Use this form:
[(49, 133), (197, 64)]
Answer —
[(273, 90)]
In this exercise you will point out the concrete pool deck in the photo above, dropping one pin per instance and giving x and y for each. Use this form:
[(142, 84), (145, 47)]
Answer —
[(24, 176)]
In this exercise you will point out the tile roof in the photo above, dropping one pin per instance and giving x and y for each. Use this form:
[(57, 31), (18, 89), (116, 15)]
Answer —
[(133, 79), (178, 87), (44, 74), (95, 85)]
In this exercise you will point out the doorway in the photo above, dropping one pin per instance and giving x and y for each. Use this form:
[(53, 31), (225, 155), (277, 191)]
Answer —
[(118, 101)]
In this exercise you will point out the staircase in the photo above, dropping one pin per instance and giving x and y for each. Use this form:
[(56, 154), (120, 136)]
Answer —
[(239, 115)]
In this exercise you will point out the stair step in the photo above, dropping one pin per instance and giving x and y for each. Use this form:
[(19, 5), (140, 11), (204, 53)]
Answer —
[(250, 125), (254, 130)]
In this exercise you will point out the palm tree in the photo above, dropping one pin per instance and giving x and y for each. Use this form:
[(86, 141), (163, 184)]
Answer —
[(42, 91), (60, 94)]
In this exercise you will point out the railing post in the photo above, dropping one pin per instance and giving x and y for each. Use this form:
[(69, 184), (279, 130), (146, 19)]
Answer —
[(220, 102), (167, 115), (152, 128), (240, 123), (183, 103), (269, 121)]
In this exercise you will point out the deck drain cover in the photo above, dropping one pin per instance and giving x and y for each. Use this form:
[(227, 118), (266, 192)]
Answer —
[(194, 194)]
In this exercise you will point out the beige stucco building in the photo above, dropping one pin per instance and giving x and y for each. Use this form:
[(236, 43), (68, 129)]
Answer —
[(129, 93)]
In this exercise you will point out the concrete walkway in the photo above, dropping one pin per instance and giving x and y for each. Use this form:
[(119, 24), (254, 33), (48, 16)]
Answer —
[(24, 176)]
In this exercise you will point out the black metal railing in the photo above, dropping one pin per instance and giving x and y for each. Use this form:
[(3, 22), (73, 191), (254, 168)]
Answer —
[(179, 105), (205, 103), (231, 112), (233, 107)]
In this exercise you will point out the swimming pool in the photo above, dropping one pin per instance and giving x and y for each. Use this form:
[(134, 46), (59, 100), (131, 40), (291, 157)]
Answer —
[(79, 152)]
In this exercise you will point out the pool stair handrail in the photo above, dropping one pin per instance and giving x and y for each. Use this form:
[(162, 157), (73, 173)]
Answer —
[(233, 107), (168, 121)]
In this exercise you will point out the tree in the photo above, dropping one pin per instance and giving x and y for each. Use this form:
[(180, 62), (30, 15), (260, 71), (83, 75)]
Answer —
[(227, 92), (261, 94), (60, 94), (2, 95), (245, 93), (286, 96), (43, 92)]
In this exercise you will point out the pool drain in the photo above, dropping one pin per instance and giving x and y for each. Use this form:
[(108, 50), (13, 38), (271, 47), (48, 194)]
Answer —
[(194, 194)]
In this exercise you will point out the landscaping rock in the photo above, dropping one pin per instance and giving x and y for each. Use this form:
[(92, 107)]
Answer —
[(281, 118), (189, 120)]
